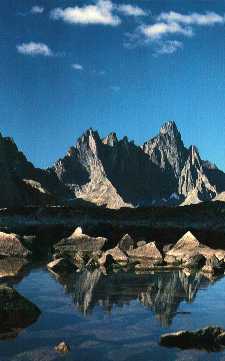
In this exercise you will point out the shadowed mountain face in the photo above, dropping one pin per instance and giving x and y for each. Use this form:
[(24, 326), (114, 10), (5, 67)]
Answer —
[(117, 173), (161, 292), (23, 184), (113, 173)]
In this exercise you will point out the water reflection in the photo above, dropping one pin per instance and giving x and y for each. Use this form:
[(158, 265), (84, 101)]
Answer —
[(161, 292), (16, 312)]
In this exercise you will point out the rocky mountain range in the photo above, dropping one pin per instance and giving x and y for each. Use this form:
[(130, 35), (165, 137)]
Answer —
[(113, 173)]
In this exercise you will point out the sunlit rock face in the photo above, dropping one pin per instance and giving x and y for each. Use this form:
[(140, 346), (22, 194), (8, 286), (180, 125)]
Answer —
[(167, 149), (118, 173), (11, 246), (113, 173)]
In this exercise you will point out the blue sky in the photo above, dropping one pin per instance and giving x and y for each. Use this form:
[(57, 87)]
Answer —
[(123, 66)]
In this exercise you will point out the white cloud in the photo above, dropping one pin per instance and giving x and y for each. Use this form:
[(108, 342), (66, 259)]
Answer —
[(100, 13), (77, 67), (158, 30), (168, 47), (34, 49), (207, 19), (37, 9), (167, 25), (131, 10)]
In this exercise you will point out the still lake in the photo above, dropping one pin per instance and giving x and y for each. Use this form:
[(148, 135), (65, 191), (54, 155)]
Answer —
[(116, 317)]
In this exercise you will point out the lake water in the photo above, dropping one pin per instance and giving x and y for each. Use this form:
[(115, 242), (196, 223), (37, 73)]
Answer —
[(117, 317)]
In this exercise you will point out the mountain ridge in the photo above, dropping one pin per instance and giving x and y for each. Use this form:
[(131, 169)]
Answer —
[(113, 172), (161, 171)]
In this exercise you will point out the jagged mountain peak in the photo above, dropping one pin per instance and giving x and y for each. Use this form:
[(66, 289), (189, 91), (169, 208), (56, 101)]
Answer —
[(169, 135), (193, 182), (167, 149), (111, 139), (112, 172), (169, 127), (88, 134), (90, 139)]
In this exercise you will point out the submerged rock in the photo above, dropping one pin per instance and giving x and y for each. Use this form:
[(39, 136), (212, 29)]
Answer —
[(211, 338), (16, 312), (11, 246)]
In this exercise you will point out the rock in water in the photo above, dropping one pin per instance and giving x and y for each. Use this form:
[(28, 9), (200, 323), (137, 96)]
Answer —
[(79, 242), (116, 254), (61, 265), (11, 267), (214, 266), (126, 243), (188, 247), (16, 312), (148, 251), (197, 261), (210, 338), (11, 246), (62, 347)]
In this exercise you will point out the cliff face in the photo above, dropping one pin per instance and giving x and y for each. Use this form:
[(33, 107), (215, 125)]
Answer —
[(117, 173), (167, 150), (112, 173)]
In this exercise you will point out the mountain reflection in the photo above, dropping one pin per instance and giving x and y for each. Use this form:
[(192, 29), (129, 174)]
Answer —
[(161, 292)]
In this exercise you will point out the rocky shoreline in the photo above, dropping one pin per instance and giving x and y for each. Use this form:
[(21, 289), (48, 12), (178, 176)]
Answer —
[(82, 251), (87, 253)]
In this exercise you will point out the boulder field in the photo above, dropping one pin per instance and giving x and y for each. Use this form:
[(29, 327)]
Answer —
[(80, 250), (188, 253)]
